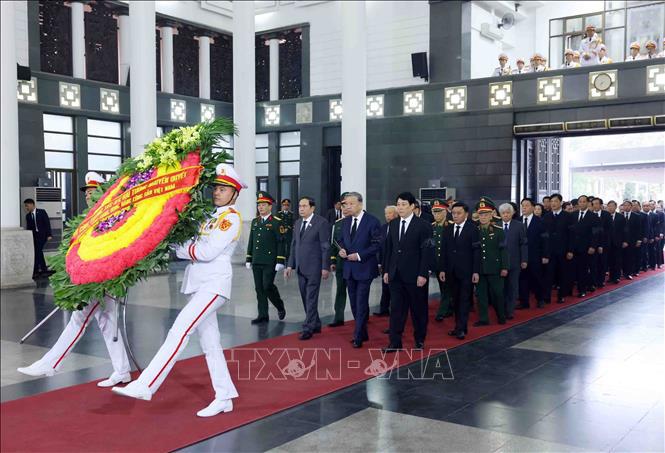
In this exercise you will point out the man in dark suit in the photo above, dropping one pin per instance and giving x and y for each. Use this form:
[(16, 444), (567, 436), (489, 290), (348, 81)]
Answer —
[(334, 213), (390, 213), (659, 232), (557, 222), (518, 255), (309, 258), (359, 247), (583, 229), (406, 264), (600, 259), (532, 278), (36, 220), (461, 261), (631, 253), (617, 241), (652, 233), (641, 250)]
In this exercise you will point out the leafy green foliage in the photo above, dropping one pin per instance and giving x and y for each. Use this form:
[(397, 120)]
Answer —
[(163, 151)]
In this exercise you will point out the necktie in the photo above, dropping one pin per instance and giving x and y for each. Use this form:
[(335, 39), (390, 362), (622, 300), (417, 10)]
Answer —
[(402, 231), (354, 228), (302, 230), (526, 221), (505, 227), (457, 227), (337, 215)]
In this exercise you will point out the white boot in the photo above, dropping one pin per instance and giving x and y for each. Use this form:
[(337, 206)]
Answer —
[(114, 379), (37, 369), (134, 390), (216, 407)]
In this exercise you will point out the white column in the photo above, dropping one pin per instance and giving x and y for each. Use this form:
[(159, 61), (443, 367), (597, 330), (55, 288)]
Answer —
[(204, 67), (78, 40), (167, 58), (124, 48), (274, 69), (244, 103), (143, 91), (354, 80), (16, 244)]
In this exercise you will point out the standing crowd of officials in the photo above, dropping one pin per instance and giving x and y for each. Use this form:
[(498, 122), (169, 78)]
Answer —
[(507, 257)]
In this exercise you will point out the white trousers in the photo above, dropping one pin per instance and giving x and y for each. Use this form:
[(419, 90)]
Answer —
[(104, 313), (200, 315)]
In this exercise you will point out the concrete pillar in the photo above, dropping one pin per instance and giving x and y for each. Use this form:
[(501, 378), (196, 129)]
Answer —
[(204, 67), (354, 81), (17, 252), (244, 103), (143, 91), (274, 68), (78, 40), (124, 47), (166, 47)]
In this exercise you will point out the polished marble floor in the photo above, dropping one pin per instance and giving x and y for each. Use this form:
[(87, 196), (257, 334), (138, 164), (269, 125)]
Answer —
[(587, 378)]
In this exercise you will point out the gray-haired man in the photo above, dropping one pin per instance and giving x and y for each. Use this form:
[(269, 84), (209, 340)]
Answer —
[(516, 244)]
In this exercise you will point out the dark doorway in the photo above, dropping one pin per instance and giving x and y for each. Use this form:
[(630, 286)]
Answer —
[(333, 164)]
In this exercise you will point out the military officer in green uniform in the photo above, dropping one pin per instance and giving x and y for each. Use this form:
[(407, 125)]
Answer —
[(440, 213), (337, 267), (287, 224), (266, 256), (494, 264)]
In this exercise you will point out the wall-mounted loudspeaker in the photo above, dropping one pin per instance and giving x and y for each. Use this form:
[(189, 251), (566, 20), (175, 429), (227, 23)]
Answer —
[(419, 65)]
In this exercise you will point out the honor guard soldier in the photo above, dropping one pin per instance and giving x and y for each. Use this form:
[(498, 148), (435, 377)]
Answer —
[(651, 50), (208, 279), (337, 267), (493, 264), (589, 46), (440, 212), (503, 69), (521, 69), (634, 52), (602, 55), (569, 63), (287, 222), (266, 255)]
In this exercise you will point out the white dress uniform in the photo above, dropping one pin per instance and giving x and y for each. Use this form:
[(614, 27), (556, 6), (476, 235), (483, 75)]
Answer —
[(570, 64), (208, 279), (606, 60), (104, 313), (635, 58), (589, 47), (499, 71), (524, 70)]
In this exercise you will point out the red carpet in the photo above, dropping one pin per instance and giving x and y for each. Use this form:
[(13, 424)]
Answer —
[(87, 418)]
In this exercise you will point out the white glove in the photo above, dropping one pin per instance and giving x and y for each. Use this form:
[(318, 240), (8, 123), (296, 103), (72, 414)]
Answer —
[(248, 265), (279, 267)]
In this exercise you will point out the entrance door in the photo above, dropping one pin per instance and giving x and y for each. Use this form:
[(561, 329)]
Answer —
[(333, 157), (541, 164)]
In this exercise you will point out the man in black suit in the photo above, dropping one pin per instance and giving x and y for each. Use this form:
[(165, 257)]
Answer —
[(532, 278), (461, 264), (641, 250), (36, 220), (390, 213), (557, 222), (600, 259), (359, 243), (309, 257), (617, 241), (631, 253), (406, 263), (583, 229), (659, 232), (652, 233), (334, 213)]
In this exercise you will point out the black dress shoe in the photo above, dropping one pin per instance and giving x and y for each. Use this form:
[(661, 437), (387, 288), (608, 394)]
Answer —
[(561, 300), (510, 317), (260, 320), (629, 277), (452, 333), (439, 318), (580, 295), (540, 304), (480, 323), (390, 349), (460, 336), (448, 315), (281, 314), (548, 302), (336, 324), (615, 281), (317, 330), (420, 345), (381, 313), (602, 285), (502, 321), (357, 344), (386, 331), (522, 307), (305, 336), (592, 289)]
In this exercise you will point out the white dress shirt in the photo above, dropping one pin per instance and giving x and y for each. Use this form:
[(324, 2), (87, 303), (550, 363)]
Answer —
[(406, 225)]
